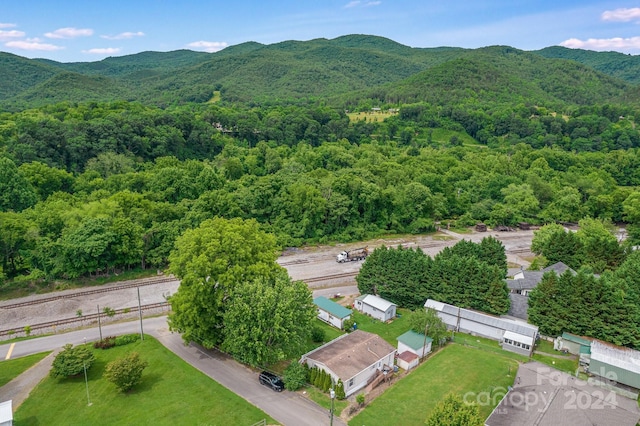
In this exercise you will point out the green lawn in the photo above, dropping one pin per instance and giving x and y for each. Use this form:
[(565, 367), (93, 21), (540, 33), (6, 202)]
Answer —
[(388, 331), (456, 368), (12, 368), (172, 392)]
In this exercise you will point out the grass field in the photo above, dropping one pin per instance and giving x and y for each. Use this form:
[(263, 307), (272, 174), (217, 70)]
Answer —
[(455, 368), (373, 117), (388, 331), (12, 368), (172, 392)]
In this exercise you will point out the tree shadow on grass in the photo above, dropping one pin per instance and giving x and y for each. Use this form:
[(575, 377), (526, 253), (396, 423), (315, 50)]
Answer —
[(147, 384)]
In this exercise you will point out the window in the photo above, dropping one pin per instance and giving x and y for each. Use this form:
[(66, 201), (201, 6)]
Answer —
[(351, 382)]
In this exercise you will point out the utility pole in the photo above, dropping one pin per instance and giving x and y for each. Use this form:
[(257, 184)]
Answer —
[(140, 313), (99, 324)]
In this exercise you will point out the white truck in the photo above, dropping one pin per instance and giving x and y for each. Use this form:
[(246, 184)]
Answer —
[(351, 255)]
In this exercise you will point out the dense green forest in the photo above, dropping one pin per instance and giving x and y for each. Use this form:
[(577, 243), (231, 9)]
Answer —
[(104, 165)]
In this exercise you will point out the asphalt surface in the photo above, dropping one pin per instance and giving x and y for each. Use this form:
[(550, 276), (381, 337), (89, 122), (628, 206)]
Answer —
[(288, 408)]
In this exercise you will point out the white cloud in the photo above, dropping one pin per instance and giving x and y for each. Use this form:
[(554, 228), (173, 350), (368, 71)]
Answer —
[(615, 43), (32, 45), (70, 33), (12, 34), (358, 3), (103, 51), (208, 46), (622, 15), (123, 36), (7, 25)]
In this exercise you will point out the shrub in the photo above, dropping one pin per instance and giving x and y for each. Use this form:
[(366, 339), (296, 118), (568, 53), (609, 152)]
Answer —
[(71, 361), (317, 334), (106, 343), (360, 398), (340, 390), (126, 339), (125, 372), (295, 376), (347, 325)]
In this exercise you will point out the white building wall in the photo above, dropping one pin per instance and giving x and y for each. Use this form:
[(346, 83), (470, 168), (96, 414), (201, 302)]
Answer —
[(360, 380), (375, 313), (487, 331), (403, 348), (327, 317)]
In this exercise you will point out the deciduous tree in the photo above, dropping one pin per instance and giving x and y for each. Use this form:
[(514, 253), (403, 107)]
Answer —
[(211, 261)]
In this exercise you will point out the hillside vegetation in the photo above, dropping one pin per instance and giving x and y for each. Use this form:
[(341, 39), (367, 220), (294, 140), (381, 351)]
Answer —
[(103, 165), (321, 68)]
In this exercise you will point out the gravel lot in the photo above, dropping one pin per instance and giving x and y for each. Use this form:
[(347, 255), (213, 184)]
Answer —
[(302, 264)]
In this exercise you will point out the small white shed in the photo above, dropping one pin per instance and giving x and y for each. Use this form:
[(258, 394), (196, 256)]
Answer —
[(415, 343), (6, 413), (376, 307), (332, 312), (407, 360)]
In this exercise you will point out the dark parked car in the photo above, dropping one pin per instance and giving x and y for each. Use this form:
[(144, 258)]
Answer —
[(271, 380)]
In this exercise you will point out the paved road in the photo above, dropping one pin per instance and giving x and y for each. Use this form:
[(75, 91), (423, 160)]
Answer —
[(288, 408)]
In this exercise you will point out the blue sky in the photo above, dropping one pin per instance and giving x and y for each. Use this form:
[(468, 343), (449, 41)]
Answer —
[(90, 30)]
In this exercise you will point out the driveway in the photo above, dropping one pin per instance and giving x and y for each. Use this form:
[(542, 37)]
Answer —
[(288, 408)]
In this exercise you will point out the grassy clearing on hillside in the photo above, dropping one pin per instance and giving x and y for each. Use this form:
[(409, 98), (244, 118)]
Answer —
[(373, 117), (12, 368), (443, 136), (172, 392), (455, 368)]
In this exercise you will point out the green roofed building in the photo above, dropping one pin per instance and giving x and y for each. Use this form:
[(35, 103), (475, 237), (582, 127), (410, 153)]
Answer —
[(332, 312), (411, 347)]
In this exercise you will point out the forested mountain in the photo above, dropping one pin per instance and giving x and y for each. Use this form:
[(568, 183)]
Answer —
[(501, 74), (615, 64), (103, 165), (338, 70)]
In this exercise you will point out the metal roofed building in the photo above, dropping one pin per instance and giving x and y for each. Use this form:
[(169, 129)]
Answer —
[(332, 312), (543, 396), (376, 307), (415, 343), (515, 336), (615, 363)]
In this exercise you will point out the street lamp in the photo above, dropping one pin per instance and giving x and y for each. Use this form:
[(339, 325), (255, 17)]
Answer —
[(86, 382), (332, 393)]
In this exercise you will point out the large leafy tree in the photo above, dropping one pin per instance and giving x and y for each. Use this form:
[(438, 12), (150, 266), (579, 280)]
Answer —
[(558, 245), (601, 248), (453, 411), (211, 261), (16, 193), (72, 360), (268, 319), (427, 322), (559, 304), (396, 275)]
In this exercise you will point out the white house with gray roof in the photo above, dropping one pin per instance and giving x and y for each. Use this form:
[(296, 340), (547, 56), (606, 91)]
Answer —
[(513, 335), (356, 358), (525, 281), (376, 307)]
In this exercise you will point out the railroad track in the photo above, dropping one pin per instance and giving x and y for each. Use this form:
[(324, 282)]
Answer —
[(84, 318), (294, 262), (127, 285), (330, 277)]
